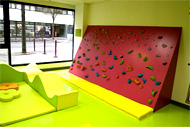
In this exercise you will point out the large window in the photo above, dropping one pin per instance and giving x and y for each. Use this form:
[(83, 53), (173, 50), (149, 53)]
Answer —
[(43, 35)]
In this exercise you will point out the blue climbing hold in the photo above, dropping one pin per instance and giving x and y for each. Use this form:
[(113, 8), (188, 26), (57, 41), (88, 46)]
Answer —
[(157, 83), (129, 81), (115, 58), (144, 80), (87, 59), (92, 69), (80, 63), (110, 52), (110, 67), (86, 76), (97, 74), (140, 75), (96, 57), (71, 65), (123, 72), (79, 57)]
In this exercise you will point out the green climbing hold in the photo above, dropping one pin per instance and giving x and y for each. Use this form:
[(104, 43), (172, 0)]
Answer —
[(147, 37), (136, 40), (78, 61), (149, 101), (93, 44), (97, 48), (153, 78), (122, 41), (153, 93), (139, 55), (145, 59), (104, 76), (102, 53), (73, 61), (83, 55), (122, 61), (150, 67), (103, 63), (129, 52), (88, 50)]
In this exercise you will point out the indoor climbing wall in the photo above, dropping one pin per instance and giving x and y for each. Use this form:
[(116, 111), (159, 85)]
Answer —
[(136, 62)]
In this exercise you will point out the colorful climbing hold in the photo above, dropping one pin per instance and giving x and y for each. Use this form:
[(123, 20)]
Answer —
[(129, 69), (140, 75), (123, 72), (153, 78), (164, 45), (93, 44), (130, 33), (145, 59), (102, 53), (96, 57), (110, 67), (157, 83), (86, 76), (122, 61), (103, 62), (149, 48), (129, 80), (117, 76), (82, 68), (71, 68), (78, 61), (142, 31), (72, 65), (88, 50), (137, 82), (136, 40), (97, 74), (92, 69), (87, 59), (141, 86), (150, 67), (164, 62), (153, 93), (147, 37), (104, 76), (97, 48), (110, 52), (107, 78), (139, 55), (158, 55), (149, 101), (144, 80), (73, 61), (79, 57), (83, 55), (114, 57), (160, 37), (122, 41), (78, 66), (96, 63), (104, 70), (129, 52), (121, 56)]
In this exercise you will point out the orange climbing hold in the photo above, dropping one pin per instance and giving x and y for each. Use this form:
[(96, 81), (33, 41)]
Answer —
[(141, 86), (71, 68), (82, 68), (97, 64), (104, 70), (79, 66), (136, 81), (7, 85), (107, 78), (117, 76), (129, 69)]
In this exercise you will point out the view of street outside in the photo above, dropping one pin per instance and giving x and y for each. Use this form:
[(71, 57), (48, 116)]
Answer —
[(48, 34)]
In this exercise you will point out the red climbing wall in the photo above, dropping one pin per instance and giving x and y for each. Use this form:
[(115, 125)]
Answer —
[(136, 62)]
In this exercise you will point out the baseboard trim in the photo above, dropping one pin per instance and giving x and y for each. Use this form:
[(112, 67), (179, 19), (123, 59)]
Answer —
[(55, 68), (180, 104)]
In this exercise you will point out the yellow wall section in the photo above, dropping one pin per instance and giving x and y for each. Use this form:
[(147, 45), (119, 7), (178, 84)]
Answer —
[(150, 13)]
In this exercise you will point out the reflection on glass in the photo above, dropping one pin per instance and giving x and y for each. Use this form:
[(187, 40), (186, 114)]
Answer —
[(39, 26), (4, 55)]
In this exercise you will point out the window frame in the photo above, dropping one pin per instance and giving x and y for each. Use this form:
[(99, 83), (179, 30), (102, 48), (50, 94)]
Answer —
[(7, 42)]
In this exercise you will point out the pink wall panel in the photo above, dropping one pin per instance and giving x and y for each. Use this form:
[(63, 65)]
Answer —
[(148, 41)]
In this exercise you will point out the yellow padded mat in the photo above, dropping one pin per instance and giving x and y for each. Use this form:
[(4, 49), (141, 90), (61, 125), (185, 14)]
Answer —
[(132, 108)]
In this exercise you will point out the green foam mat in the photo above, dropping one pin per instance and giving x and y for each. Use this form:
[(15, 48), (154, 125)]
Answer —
[(29, 104)]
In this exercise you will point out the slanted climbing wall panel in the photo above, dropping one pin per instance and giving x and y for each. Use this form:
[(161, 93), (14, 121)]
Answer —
[(133, 61)]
